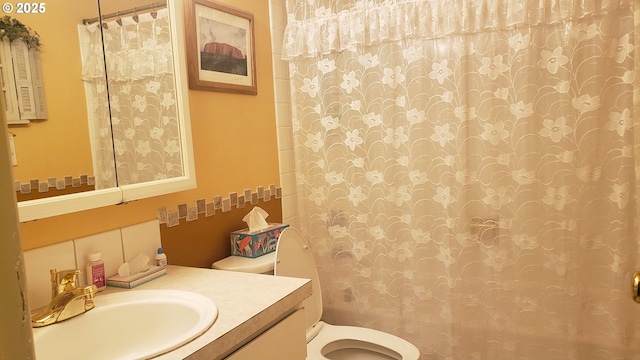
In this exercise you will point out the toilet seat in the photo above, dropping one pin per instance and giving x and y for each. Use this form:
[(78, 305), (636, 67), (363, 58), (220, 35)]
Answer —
[(294, 259), (332, 338)]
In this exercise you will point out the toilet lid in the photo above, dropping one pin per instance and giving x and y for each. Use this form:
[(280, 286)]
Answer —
[(294, 259), (259, 265)]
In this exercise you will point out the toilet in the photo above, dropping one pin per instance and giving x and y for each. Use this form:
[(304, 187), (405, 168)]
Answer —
[(326, 341), (259, 265)]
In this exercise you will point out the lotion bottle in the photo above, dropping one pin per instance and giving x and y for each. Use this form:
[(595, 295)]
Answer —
[(95, 271), (161, 258)]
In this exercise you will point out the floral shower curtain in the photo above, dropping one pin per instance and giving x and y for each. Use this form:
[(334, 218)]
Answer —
[(141, 87), (467, 171)]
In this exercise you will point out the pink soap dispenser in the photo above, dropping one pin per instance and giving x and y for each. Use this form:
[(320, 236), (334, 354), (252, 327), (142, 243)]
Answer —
[(95, 271)]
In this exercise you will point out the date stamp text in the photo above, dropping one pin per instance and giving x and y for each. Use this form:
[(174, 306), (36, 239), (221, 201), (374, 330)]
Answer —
[(24, 8)]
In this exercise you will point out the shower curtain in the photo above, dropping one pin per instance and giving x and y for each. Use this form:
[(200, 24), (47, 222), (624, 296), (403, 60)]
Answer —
[(467, 171), (142, 111)]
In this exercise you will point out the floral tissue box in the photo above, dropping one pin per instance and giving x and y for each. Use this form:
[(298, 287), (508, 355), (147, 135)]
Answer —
[(257, 243)]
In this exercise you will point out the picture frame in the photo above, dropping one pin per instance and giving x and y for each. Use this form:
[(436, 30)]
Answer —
[(220, 48)]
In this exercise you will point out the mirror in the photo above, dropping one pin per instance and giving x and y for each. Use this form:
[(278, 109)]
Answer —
[(79, 136), (58, 146)]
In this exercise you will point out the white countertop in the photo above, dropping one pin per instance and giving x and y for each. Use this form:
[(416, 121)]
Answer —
[(247, 305)]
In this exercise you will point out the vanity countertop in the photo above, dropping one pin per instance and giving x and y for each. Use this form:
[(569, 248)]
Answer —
[(247, 304)]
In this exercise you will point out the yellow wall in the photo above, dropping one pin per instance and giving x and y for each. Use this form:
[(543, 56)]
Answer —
[(234, 141), (44, 147)]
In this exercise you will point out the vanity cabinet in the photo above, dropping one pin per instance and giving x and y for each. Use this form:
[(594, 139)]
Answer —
[(269, 326), (284, 340)]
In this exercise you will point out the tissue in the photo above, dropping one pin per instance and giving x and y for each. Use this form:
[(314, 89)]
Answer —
[(255, 219), (138, 264)]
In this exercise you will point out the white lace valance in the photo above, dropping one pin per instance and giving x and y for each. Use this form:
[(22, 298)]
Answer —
[(134, 49), (332, 26)]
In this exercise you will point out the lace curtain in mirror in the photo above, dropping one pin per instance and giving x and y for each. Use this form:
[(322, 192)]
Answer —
[(142, 103)]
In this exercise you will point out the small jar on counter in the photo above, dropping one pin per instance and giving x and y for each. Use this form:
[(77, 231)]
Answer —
[(161, 258)]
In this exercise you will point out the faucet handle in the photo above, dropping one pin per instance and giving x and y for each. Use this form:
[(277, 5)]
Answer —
[(62, 281)]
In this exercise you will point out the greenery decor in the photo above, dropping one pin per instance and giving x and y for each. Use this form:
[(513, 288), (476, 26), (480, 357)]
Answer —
[(14, 29)]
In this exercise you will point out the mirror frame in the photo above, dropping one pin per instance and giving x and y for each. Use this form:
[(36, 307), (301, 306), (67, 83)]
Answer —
[(64, 204)]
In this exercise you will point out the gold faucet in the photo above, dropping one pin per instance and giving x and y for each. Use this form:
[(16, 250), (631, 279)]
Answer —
[(67, 300)]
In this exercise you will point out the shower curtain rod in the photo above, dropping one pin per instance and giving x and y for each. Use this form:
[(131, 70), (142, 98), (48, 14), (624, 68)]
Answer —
[(134, 10)]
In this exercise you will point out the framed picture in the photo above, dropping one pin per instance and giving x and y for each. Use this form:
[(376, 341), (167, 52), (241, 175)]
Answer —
[(220, 48)]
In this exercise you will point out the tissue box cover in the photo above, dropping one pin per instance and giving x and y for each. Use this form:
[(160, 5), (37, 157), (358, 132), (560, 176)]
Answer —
[(253, 244)]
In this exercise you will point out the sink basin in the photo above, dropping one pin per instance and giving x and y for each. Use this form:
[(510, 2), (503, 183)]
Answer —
[(134, 324)]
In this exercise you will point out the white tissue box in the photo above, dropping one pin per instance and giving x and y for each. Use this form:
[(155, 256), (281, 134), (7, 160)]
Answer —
[(253, 244), (140, 278)]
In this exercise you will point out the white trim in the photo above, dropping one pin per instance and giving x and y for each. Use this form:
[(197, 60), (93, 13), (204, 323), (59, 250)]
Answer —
[(58, 205)]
